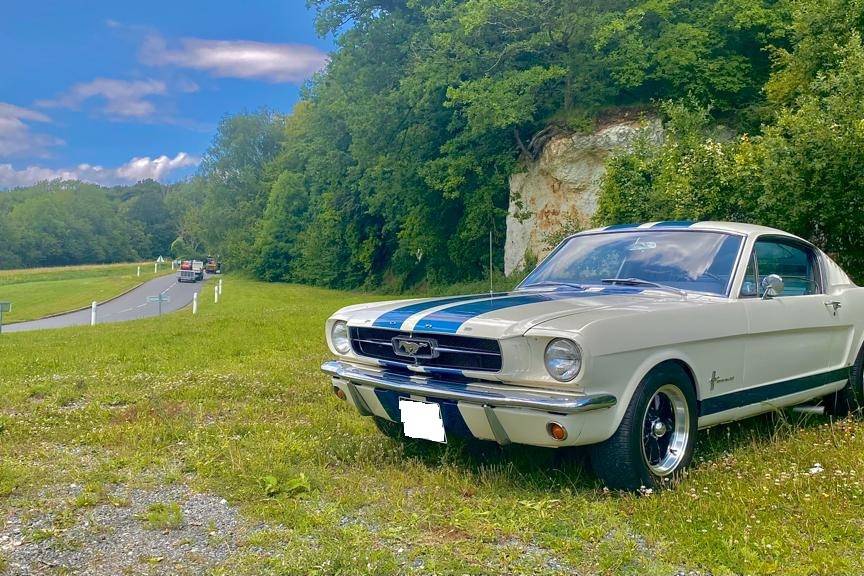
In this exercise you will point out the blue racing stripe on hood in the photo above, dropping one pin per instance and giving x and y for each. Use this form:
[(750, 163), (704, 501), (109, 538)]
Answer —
[(394, 318), (449, 320)]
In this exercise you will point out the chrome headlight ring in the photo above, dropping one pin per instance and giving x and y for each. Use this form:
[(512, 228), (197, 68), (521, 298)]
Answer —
[(563, 359), (339, 337)]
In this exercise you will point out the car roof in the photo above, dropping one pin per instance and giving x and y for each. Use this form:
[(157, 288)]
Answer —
[(714, 226)]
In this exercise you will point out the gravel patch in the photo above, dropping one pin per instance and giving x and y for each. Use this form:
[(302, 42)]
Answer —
[(117, 537), (535, 557)]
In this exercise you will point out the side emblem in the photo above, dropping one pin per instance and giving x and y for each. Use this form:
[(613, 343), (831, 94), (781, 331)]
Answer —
[(717, 380)]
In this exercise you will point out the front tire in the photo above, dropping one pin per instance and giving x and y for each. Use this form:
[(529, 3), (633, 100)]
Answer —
[(654, 442)]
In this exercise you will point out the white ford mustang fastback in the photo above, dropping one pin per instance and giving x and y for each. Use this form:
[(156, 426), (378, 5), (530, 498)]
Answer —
[(626, 338)]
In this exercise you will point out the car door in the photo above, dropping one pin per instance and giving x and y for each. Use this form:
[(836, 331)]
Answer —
[(790, 335)]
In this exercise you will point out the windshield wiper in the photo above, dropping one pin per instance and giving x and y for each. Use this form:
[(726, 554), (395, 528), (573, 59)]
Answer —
[(551, 283), (640, 282)]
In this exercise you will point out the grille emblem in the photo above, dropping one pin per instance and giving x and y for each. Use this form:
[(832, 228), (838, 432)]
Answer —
[(415, 347)]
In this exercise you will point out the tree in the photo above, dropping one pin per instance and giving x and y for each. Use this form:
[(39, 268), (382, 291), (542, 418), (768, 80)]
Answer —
[(394, 167), (233, 174), (803, 174), (69, 222)]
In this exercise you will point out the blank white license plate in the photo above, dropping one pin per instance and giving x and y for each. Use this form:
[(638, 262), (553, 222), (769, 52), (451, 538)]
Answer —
[(422, 420)]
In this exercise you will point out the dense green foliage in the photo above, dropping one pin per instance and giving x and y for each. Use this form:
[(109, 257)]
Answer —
[(62, 223), (803, 173), (394, 167)]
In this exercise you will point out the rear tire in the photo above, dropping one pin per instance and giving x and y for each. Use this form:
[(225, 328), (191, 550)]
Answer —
[(850, 398), (654, 442)]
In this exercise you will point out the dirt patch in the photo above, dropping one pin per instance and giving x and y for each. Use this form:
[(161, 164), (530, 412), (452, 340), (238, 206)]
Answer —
[(155, 410), (122, 534)]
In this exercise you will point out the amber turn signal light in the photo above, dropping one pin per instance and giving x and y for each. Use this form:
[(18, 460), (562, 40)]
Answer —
[(556, 431), (339, 392)]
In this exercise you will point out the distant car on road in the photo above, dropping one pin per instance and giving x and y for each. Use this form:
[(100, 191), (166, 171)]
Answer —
[(187, 276), (626, 339), (213, 266), (190, 271), (198, 268)]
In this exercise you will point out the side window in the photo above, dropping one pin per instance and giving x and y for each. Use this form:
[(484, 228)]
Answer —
[(750, 287), (796, 264)]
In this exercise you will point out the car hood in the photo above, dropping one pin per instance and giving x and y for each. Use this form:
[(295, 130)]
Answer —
[(509, 314)]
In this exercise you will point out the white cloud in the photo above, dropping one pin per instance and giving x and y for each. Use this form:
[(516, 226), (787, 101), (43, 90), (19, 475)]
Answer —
[(123, 99), (16, 137), (292, 63), (156, 168), (136, 169)]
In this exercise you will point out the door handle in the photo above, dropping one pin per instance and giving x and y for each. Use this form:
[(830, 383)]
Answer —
[(834, 305)]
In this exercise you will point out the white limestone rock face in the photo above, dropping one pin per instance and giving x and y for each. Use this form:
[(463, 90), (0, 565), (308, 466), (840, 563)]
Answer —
[(562, 186)]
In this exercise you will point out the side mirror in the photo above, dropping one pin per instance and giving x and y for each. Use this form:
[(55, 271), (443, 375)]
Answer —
[(772, 286)]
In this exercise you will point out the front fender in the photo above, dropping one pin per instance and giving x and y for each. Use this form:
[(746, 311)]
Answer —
[(620, 376)]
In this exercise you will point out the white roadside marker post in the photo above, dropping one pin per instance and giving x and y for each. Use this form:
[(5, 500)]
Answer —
[(4, 307), (93, 313), (155, 267), (172, 265), (220, 286), (139, 271), (195, 303), (216, 294)]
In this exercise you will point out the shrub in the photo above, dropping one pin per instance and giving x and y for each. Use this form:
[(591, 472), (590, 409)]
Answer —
[(804, 174)]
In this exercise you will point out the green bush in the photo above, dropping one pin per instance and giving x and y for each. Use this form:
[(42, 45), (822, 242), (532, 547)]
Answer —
[(803, 174)]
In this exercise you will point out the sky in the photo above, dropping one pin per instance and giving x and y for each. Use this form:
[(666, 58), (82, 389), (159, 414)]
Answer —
[(115, 92)]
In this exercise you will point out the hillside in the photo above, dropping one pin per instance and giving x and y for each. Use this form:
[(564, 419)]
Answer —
[(67, 223), (394, 167)]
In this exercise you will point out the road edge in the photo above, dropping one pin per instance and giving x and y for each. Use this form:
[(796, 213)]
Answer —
[(55, 314)]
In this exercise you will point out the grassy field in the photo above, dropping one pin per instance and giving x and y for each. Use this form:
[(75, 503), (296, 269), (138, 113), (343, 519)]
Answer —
[(231, 402), (37, 292)]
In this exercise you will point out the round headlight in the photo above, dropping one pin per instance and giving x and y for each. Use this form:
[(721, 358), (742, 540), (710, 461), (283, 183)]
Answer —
[(563, 359), (339, 337)]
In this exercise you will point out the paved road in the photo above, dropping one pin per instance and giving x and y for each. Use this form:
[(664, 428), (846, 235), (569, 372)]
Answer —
[(130, 306)]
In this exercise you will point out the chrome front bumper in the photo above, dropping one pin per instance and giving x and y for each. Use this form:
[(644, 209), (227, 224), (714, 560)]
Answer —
[(484, 394)]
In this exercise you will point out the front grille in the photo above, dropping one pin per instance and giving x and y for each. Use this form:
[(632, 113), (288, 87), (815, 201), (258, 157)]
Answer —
[(458, 352)]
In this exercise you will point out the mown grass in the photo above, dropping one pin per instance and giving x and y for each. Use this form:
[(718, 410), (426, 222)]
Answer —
[(38, 292), (232, 402)]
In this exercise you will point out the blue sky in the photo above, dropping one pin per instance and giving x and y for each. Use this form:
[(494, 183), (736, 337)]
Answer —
[(113, 92)]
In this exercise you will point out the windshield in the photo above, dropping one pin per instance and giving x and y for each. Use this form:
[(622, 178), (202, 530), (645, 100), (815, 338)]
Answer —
[(688, 260)]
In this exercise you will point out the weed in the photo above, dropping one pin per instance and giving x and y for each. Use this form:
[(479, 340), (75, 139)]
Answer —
[(161, 516)]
